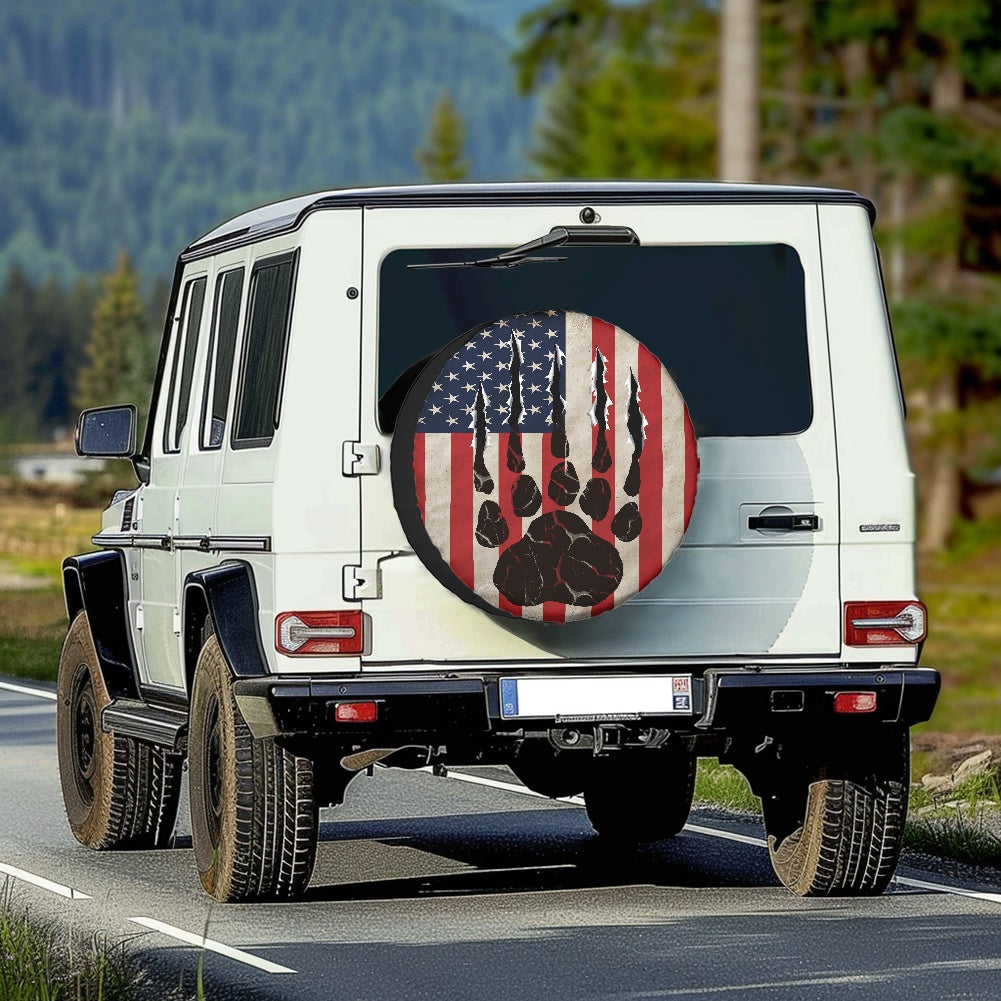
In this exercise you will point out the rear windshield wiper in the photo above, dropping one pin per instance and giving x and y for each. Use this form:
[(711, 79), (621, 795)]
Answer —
[(558, 236)]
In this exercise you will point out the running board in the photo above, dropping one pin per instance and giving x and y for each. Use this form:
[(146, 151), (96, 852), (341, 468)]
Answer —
[(151, 724)]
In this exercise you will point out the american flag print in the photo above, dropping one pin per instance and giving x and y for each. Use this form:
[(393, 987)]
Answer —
[(554, 465)]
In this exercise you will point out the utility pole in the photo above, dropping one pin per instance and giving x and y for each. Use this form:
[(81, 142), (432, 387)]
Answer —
[(739, 139)]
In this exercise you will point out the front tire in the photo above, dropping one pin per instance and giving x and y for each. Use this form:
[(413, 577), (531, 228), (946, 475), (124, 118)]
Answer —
[(118, 792), (253, 808), (849, 824), (635, 796)]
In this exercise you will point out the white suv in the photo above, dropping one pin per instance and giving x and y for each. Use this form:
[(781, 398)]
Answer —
[(583, 479)]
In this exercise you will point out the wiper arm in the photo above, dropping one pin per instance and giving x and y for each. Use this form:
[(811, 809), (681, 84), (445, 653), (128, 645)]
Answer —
[(558, 236)]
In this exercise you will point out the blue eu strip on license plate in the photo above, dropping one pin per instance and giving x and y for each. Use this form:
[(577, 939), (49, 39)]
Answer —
[(509, 697)]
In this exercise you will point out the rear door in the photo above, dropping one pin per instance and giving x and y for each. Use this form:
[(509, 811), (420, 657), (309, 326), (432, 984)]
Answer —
[(729, 298), (159, 504)]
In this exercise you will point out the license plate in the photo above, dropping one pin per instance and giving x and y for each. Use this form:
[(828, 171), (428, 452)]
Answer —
[(596, 699)]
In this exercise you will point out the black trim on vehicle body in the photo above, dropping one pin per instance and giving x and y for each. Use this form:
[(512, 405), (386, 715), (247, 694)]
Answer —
[(743, 699), (160, 725), (141, 463), (227, 597), (201, 543), (305, 706), (725, 700), (97, 584), (289, 215)]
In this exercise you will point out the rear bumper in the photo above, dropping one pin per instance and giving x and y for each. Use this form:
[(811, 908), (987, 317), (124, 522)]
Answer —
[(427, 709), (742, 699)]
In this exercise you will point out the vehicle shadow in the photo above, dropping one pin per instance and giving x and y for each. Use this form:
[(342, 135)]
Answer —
[(502, 852)]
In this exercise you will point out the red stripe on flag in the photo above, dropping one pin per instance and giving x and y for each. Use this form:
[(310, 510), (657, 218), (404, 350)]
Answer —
[(651, 469), (603, 340), (419, 472), (691, 467), (461, 510), (505, 483)]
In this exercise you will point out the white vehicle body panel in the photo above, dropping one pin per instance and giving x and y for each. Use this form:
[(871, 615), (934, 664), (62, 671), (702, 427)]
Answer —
[(728, 592), (878, 512), (729, 595)]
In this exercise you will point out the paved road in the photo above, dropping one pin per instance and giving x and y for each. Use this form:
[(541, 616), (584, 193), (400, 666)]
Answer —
[(454, 889)]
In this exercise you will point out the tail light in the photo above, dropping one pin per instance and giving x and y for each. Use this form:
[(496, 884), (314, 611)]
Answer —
[(303, 633), (356, 712), (885, 623), (855, 702)]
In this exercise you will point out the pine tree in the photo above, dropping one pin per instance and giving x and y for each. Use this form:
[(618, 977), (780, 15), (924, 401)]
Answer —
[(18, 302), (118, 353), (629, 90), (441, 159)]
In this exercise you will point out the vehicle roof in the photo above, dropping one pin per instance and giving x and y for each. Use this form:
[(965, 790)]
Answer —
[(289, 213)]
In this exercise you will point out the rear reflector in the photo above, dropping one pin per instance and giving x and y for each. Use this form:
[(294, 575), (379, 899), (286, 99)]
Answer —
[(855, 702), (885, 623), (356, 712), (303, 633)]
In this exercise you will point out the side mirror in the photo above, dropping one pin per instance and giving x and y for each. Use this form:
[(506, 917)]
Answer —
[(107, 432)]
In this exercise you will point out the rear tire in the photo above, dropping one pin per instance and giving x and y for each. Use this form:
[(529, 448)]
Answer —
[(850, 828), (253, 808), (634, 796), (118, 792)]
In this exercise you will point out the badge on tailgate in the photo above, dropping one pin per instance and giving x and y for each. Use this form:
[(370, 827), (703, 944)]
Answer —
[(596, 699)]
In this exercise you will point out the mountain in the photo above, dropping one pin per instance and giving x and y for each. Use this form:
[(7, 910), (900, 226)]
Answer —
[(141, 126)]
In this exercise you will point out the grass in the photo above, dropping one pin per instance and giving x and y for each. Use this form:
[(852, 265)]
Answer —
[(964, 826), (962, 589), (36, 532), (964, 643), (723, 785), (32, 630), (39, 962)]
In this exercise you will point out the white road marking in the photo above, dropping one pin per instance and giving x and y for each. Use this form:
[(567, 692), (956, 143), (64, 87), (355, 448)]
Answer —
[(920, 884), (712, 832), (45, 884), (506, 786), (23, 690), (206, 943)]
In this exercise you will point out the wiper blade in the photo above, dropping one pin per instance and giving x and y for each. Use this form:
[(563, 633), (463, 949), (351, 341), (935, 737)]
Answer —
[(558, 236), (490, 262)]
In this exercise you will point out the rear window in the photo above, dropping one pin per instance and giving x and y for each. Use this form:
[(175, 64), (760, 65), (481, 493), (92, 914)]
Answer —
[(729, 322)]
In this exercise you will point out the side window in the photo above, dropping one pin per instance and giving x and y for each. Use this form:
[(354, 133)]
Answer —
[(262, 362), (183, 364), (222, 347)]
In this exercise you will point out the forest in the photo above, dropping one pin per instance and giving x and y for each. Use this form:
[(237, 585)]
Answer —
[(111, 139), (142, 126)]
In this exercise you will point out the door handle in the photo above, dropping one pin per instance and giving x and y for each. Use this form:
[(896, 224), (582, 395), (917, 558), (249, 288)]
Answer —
[(785, 522)]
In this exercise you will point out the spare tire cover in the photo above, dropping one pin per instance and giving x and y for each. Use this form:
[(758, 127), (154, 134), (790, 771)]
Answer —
[(544, 466)]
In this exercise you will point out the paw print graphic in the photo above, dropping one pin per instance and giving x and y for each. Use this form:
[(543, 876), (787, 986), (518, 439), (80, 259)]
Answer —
[(517, 477), (558, 558)]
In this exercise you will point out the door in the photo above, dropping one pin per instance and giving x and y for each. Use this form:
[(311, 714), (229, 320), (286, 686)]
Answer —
[(729, 298), (198, 540), (160, 614)]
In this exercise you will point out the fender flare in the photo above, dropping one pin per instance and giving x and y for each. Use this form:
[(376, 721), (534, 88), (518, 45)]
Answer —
[(225, 596), (96, 583)]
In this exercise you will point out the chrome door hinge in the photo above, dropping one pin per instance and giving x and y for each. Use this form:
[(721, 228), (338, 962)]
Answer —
[(362, 582), (358, 459)]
